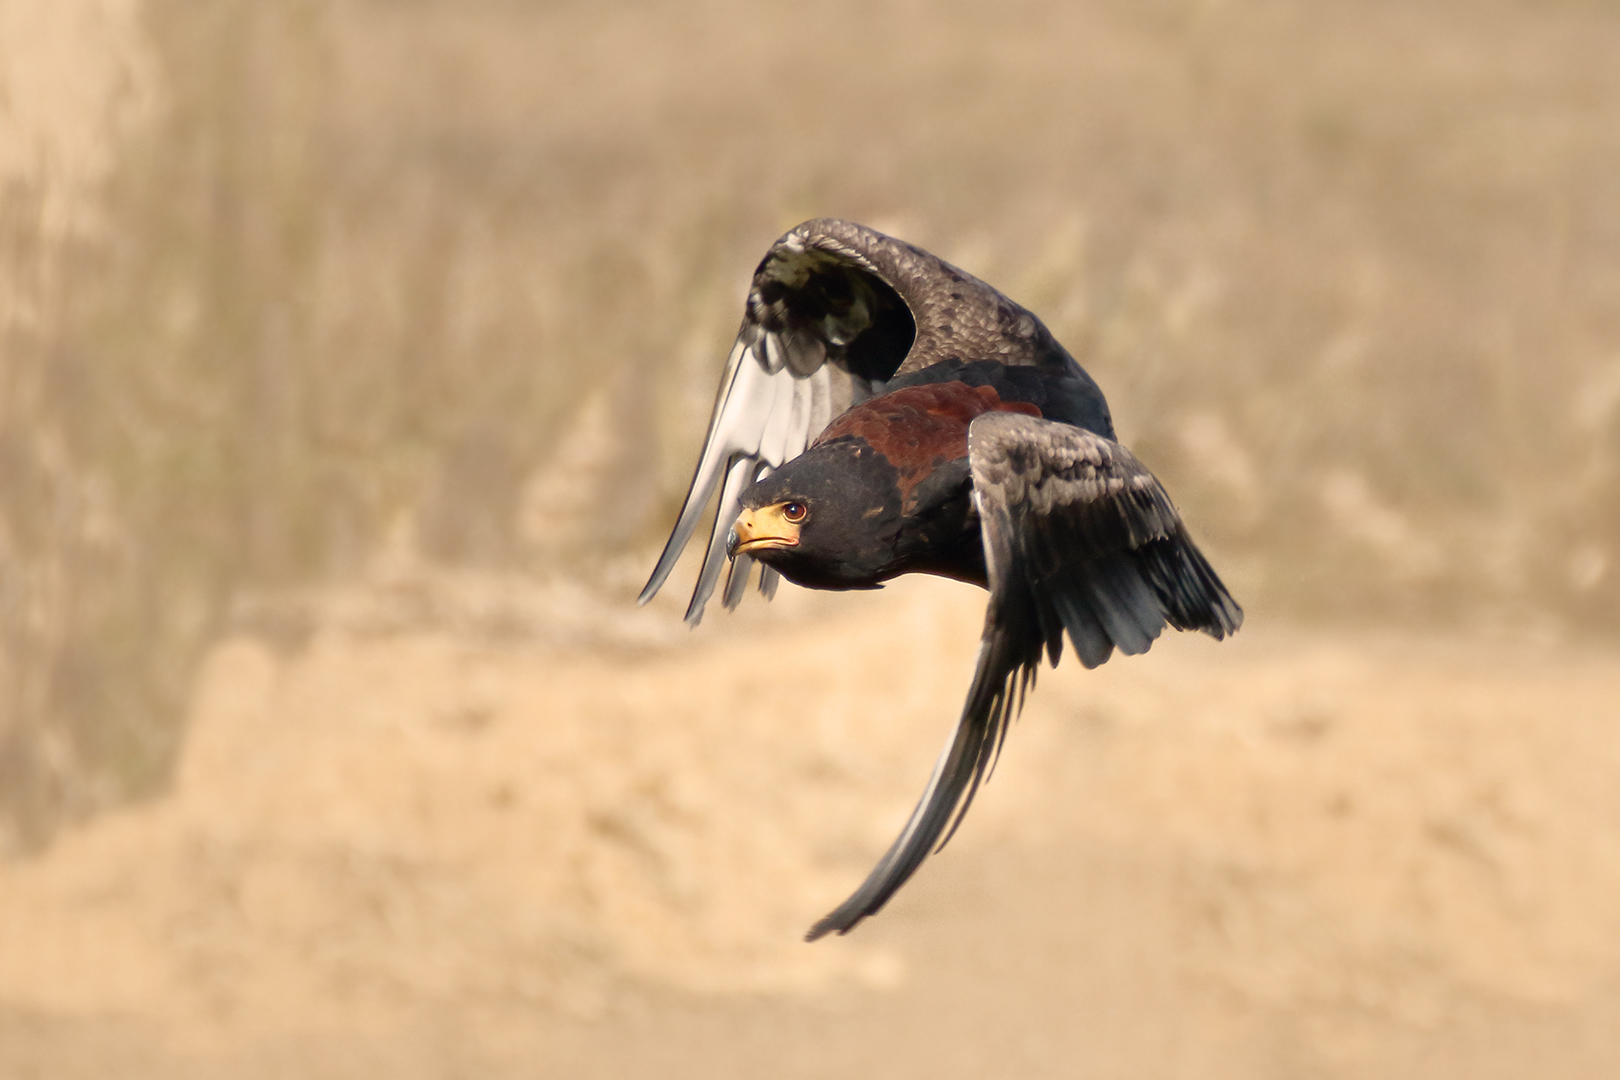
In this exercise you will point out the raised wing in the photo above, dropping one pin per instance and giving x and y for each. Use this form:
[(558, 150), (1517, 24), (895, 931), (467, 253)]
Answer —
[(835, 311), (1078, 537)]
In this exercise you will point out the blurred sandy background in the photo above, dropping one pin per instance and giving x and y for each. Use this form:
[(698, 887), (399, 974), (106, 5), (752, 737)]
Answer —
[(353, 357)]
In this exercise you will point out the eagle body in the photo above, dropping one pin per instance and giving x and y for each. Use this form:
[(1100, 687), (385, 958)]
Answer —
[(885, 413), (888, 489)]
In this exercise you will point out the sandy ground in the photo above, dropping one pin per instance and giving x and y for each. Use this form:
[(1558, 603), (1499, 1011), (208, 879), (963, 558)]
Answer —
[(442, 828)]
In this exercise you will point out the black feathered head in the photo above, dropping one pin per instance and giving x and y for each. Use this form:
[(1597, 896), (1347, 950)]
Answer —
[(828, 519)]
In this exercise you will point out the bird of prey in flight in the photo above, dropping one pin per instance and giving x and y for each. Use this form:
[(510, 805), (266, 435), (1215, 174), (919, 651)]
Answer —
[(884, 413)]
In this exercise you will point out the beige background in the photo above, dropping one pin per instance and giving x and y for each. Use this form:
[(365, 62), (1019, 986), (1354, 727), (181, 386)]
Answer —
[(354, 357)]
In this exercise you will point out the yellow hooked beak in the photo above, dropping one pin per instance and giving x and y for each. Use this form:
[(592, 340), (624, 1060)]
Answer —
[(767, 527)]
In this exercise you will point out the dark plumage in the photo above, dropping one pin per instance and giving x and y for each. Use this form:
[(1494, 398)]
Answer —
[(884, 413)]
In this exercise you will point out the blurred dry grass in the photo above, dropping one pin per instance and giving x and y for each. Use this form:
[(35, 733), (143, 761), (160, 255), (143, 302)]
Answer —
[(283, 287), (1350, 275)]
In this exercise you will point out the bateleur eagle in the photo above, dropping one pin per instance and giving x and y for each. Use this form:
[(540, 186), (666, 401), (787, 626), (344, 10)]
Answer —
[(884, 413)]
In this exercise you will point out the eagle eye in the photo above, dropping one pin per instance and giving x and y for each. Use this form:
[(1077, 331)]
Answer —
[(794, 512)]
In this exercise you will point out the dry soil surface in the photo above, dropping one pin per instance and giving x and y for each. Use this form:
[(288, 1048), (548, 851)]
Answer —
[(436, 828)]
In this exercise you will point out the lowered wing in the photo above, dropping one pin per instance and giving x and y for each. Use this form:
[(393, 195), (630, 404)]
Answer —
[(1078, 537)]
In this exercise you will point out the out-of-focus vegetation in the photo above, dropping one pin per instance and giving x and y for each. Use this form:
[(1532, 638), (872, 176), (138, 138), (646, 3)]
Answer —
[(1350, 275)]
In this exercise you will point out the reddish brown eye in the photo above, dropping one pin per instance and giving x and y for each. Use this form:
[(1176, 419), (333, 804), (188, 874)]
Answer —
[(794, 512)]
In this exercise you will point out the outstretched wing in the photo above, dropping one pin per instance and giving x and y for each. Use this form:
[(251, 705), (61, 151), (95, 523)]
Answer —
[(1078, 537), (835, 311)]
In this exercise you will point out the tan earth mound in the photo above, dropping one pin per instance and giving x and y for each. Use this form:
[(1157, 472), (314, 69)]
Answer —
[(492, 803), (401, 815)]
